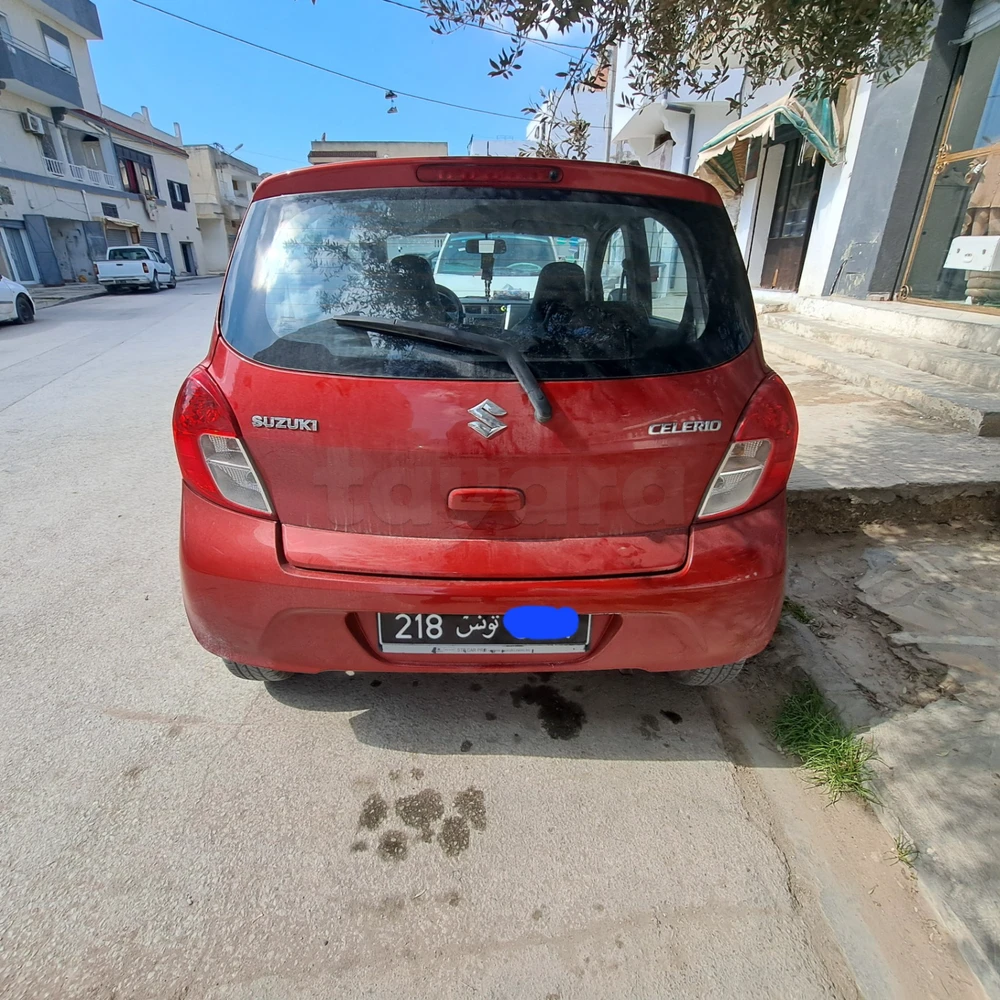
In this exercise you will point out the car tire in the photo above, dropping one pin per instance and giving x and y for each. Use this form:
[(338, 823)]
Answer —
[(709, 676), (24, 311), (173, 280), (249, 673), (154, 285)]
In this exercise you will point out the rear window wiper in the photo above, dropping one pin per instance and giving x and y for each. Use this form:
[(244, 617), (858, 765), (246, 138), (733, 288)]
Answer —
[(435, 334)]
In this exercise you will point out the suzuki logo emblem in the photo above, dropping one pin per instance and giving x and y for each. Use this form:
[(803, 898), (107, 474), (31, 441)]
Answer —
[(486, 422)]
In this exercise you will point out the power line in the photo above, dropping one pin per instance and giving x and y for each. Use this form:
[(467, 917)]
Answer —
[(326, 69), (547, 42)]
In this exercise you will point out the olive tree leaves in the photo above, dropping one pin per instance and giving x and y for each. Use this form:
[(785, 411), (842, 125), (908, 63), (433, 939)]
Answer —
[(694, 45)]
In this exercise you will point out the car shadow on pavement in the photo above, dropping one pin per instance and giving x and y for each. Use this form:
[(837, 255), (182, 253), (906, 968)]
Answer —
[(595, 715)]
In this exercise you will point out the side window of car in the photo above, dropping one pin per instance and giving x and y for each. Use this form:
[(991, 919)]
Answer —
[(668, 274), (612, 268)]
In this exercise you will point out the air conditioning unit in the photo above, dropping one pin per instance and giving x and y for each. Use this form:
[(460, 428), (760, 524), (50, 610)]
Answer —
[(32, 123)]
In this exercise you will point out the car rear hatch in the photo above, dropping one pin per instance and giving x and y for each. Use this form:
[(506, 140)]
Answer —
[(389, 453)]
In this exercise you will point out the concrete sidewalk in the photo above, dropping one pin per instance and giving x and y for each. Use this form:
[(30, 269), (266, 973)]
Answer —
[(862, 457), (59, 295), (904, 639)]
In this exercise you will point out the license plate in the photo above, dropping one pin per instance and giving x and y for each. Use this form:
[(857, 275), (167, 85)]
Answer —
[(472, 634)]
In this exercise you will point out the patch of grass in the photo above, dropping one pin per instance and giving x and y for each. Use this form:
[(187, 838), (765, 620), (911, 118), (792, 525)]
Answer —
[(798, 612), (904, 851), (835, 756)]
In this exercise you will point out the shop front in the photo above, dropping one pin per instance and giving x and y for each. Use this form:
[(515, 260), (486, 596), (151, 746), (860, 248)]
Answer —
[(955, 256)]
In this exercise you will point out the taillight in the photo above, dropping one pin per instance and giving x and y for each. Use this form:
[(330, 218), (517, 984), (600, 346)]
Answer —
[(211, 455), (759, 461), (484, 174), (145, 268)]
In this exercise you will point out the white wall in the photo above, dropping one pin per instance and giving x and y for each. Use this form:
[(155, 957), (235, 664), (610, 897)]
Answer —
[(830, 207), (505, 146)]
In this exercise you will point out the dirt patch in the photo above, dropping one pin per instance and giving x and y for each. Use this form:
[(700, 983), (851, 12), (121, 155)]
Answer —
[(823, 576), (833, 511)]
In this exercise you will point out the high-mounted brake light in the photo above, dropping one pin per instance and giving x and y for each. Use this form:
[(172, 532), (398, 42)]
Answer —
[(759, 461), (211, 455), (440, 173)]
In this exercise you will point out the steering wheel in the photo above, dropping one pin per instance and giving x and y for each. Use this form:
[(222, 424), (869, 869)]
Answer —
[(525, 268), (452, 304)]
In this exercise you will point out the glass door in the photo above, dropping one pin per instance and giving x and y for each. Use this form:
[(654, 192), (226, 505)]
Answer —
[(964, 196)]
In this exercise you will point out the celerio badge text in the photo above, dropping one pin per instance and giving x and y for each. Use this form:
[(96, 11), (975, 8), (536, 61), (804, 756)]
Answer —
[(686, 427)]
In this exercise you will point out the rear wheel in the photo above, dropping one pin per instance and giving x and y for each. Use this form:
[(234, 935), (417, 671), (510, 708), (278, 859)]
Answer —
[(154, 285), (709, 676), (249, 673), (24, 310), (173, 280)]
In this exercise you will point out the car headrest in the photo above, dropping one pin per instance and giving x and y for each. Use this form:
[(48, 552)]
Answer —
[(415, 296), (563, 283), (412, 271)]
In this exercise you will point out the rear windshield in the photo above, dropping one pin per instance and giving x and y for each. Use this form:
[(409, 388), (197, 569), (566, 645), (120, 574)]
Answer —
[(586, 285), (128, 253)]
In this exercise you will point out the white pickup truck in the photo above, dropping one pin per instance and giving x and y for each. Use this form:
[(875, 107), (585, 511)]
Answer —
[(134, 267)]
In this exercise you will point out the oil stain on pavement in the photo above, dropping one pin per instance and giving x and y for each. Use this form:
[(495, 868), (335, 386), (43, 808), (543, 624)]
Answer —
[(561, 718), (424, 814)]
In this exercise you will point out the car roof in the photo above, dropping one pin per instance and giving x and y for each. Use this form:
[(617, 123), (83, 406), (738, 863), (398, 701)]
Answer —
[(488, 171)]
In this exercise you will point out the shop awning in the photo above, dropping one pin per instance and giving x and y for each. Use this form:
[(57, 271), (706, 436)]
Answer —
[(643, 128), (113, 220), (723, 157)]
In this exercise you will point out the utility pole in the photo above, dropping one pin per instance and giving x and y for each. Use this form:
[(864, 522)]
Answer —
[(612, 83)]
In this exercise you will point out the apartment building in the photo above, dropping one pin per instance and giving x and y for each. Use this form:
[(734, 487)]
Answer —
[(221, 188), (344, 151), (76, 176)]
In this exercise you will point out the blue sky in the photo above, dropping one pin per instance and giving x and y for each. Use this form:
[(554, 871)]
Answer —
[(221, 91)]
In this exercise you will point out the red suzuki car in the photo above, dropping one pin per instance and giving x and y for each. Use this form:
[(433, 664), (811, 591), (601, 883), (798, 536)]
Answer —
[(484, 415)]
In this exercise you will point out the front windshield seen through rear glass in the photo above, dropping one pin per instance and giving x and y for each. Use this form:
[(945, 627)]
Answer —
[(586, 285)]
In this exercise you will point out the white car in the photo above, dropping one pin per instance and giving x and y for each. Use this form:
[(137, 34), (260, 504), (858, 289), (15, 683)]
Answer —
[(515, 273), (134, 267), (16, 302)]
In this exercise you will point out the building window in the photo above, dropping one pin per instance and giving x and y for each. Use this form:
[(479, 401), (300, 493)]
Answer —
[(136, 171), (253, 186), (110, 210), (180, 197), (57, 46), (236, 186), (6, 198)]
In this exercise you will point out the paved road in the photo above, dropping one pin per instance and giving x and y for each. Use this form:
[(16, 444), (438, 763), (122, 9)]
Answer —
[(170, 831)]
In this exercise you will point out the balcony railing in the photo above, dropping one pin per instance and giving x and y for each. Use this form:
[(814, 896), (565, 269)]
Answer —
[(23, 66), (86, 175)]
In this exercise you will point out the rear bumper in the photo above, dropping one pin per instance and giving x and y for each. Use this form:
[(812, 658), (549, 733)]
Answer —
[(247, 604)]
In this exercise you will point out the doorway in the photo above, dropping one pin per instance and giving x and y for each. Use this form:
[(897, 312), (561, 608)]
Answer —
[(791, 223), (17, 250), (187, 251)]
